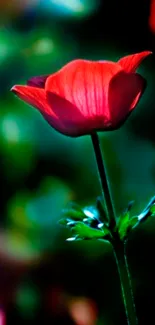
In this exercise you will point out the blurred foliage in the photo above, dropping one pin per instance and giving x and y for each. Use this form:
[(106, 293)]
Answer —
[(32, 219), (41, 170), (27, 299), (70, 8)]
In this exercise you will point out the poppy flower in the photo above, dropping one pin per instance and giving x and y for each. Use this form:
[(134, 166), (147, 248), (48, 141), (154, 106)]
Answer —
[(87, 96)]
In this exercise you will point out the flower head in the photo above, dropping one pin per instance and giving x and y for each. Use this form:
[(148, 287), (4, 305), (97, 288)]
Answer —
[(86, 96)]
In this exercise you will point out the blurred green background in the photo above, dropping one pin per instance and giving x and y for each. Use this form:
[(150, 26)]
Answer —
[(44, 279)]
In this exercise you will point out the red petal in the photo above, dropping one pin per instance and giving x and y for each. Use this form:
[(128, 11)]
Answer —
[(37, 98), (33, 96), (38, 81), (74, 123), (131, 62), (85, 85), (125, 91)]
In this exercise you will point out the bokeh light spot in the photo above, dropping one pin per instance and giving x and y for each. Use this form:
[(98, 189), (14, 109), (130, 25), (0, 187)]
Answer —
[(83, 311), (44, 46)]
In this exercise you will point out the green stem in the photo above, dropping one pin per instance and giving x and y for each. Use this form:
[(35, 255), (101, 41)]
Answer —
[(103, 178), (125, 279), (118, 246)]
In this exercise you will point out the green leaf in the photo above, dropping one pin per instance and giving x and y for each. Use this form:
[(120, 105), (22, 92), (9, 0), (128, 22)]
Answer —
[(73, 212), (148, 211), (74, 238), (130, 205), (133, 222), (80, 230), (152, 209), (91, 212), (126, 224), (63, 222), (91, 222), (123, 224), (150, 204), (91, 217)]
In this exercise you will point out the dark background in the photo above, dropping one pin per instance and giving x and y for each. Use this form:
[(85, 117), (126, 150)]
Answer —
[(44, 279)]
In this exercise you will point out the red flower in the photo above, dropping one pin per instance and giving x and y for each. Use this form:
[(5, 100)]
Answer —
[(86, 96)]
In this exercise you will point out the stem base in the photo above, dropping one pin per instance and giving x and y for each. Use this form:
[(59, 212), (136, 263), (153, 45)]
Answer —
[(119, 249)]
